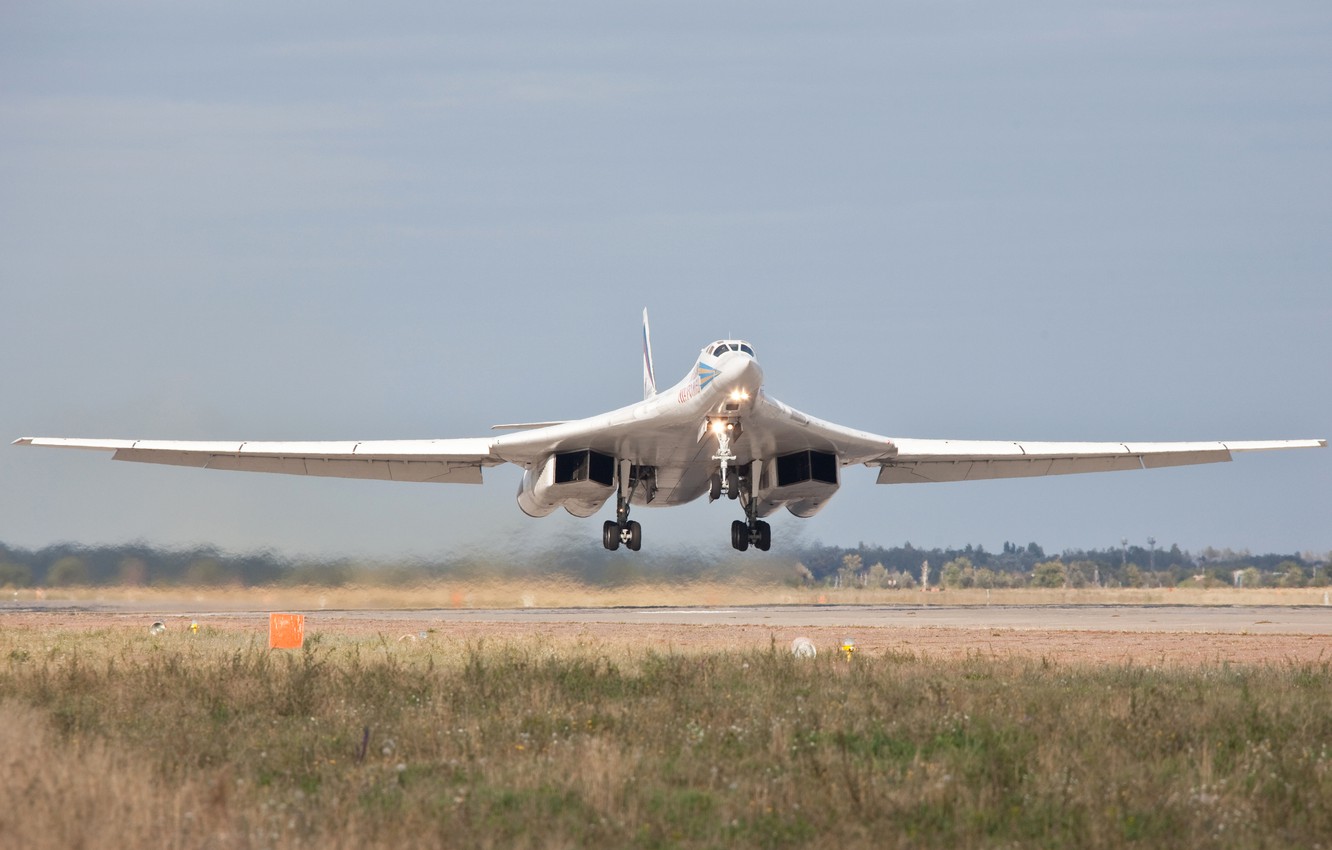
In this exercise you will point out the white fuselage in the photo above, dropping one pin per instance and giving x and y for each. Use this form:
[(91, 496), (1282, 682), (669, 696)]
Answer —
[(667, 431)]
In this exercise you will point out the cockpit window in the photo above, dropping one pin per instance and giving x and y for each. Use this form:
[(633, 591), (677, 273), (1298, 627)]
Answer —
[(720, 348)]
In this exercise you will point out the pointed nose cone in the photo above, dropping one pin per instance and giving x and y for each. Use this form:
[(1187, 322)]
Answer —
[(740, 372), (751, 375)]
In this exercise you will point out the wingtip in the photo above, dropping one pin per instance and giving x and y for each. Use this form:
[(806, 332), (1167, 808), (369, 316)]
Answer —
[(22, 441)]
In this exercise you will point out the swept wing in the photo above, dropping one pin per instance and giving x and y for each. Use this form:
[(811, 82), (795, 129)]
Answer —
[(776, 429), (920, 461), (440, 461)]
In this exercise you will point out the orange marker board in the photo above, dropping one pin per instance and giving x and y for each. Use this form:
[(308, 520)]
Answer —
[(286, 631)]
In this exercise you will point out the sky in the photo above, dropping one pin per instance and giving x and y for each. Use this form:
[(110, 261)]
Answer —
[(1045, 220)]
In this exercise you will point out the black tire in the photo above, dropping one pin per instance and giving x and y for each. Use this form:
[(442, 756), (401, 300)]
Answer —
[(610, 535), (739, 535), (714, 488), (764, 542), (635, 536)]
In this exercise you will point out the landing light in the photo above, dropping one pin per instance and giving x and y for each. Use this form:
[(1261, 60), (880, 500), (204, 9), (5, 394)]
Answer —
[(739, 394)]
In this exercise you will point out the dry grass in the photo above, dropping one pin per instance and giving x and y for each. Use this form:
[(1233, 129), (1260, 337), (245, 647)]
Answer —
[(84, 791), (560, 593), (112, 738)]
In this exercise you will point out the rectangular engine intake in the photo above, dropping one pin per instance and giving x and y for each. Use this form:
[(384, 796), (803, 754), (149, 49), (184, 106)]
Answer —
[(585, 465), (799, 467)]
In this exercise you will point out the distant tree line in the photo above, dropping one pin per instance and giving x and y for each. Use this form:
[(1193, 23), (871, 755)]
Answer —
[(902, 567), (68, 565), (1028, 566)]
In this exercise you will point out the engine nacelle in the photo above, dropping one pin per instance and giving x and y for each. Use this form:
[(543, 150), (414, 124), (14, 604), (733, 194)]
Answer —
[(578, 481), (802, 482)]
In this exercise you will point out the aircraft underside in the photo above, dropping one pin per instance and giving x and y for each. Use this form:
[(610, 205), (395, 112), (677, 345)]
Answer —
[(736, 486), (717, 466)]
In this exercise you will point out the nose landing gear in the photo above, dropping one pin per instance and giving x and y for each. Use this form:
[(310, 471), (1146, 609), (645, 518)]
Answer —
[(726, 430)]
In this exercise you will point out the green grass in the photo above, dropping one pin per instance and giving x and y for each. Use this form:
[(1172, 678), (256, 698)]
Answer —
[(355, 742)]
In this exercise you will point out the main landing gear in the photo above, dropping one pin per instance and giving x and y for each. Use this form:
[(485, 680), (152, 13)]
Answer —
[(630, 534), (750, 531), (756, 532), (622, 529)]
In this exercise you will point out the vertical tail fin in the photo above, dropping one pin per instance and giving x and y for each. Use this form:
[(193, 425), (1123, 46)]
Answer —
[(649, 377)]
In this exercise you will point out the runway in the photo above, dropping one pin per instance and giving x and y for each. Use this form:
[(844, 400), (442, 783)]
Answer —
[(1309, 620), (1270, 619)]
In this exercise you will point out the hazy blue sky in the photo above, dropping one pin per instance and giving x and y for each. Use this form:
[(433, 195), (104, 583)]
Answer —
[(1039, 220)]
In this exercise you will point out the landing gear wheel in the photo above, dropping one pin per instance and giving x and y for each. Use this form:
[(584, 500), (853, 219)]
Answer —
[(762, 536), (714, 488), (634, 535), (740, 535), (610, 534)]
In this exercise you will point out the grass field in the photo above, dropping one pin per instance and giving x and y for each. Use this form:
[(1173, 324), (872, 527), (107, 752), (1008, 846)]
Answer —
[(113, 738)]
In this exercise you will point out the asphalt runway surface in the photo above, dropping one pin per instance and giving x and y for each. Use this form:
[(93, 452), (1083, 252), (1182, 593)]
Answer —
[(1274, 619), (1250, 620)]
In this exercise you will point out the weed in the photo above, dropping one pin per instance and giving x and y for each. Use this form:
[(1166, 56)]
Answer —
[(354, 742)]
